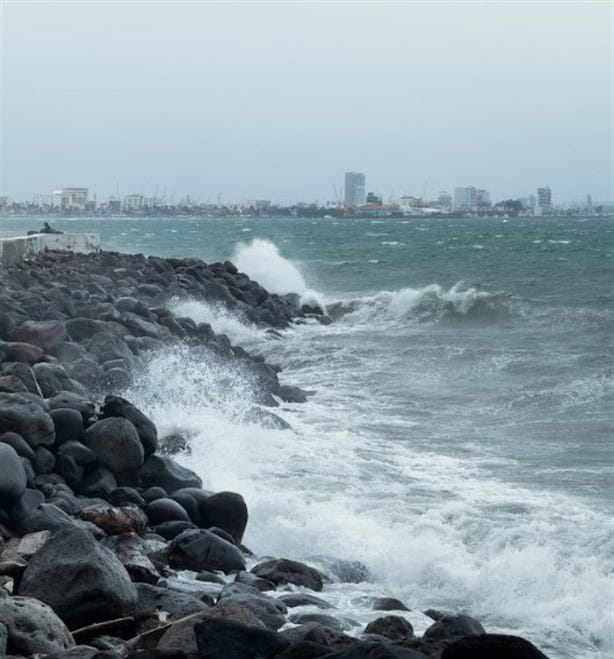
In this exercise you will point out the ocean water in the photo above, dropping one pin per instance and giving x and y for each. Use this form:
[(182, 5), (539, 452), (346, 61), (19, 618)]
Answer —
[(458, 440)]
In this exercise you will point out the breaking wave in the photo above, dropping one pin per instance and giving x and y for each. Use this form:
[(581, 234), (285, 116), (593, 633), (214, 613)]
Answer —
[(429, 304)]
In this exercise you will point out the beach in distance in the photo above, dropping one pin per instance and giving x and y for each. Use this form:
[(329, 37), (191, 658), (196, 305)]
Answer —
[(456, 439)]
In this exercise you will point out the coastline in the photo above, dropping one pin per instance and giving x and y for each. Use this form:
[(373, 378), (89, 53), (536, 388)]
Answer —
[(76, 329)]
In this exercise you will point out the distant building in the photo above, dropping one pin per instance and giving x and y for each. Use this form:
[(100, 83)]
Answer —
[(71, 198), (444, 199), (262, 205), (471, 198), (134, 202), (115, 205), (372, 198), (544, 200), (355, 189)]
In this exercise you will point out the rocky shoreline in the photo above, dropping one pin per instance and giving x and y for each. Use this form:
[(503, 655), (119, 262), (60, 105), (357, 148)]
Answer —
[(109, 547)]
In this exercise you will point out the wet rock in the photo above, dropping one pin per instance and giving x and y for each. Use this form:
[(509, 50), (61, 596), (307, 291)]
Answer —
[(20, 352), (291, 394), (99, 483), (453, 627), (49, 517), (18, 443), (73, 401), (52, 379), (115, 521), (46, 334), (81, 329), (148, 434), (32, 627), (226, 510), (165, 510), (489, 646), (226, 639), (177, 605), (292, 600), (330, 622), (116, 443), (166, 473), (27, 503), (21, 415), (393, 627), (388, 604), (267, 609), (283, 571), (11, 384), (180, 635), (44, 461), (133, 554), (315, 633), (170, 530), (24, 373), (250, 579), (375, 650), (13, 479), (94, 585), (124, 496), (68, 424), (201, 550)]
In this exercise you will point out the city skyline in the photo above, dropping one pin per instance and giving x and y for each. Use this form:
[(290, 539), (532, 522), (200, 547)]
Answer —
[(270, 105)]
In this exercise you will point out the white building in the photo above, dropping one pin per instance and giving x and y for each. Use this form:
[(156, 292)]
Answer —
[(355, 189), (544, 200), (134, 202), (71, 198), (471, 198)]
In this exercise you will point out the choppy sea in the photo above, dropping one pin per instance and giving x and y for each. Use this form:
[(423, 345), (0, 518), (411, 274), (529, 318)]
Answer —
[(459, 439)]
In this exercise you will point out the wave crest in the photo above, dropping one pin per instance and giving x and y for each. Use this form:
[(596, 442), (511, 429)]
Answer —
[(429, 304)]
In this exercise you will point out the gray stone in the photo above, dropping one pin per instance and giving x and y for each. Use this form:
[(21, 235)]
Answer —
[(33, 627), (80, 579), (21, 415), (283, 571), (166, 473), (46, 334), (116, 443), (177, 605), (267, 609), (13, 479), (201, 550)]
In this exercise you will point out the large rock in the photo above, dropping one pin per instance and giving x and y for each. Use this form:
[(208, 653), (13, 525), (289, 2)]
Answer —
[(267, 609), (49, 517), (283, 571), (46, 334), (73, 401), (52, 378), (226, 510), (107, 346), (491, 646), (16, 351), (376, 650), (33, 627), (177, 605), (24, 373), (201, 550), (116, 443), (80, 579), (167, 474), (148, 434), (453, 627), (13, 479), (23, 416), (393, 627), (68, 424), (225, 639), (20, 445)]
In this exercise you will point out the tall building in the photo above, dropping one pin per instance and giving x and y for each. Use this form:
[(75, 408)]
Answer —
[(71, 198), (544, 199), (471, 198), (355, 191)]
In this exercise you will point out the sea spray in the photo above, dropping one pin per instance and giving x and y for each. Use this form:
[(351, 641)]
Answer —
[(262, 261)]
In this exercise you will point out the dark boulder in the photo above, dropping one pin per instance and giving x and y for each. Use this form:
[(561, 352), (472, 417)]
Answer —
[(177, 605), (136, 555), (250, 579), (49, 517), (165, 510), (32, 627), (94, 585), (117, 406), (170, 530), (291, 394), (44, 461), (388, 604), (491, 646), (20, 445), (393, 627), (24, 373), (304, 599), (23, 416), (46, 334), (453, 627), (330, 622), (226, 510), (269, 610), (283, 571), (73, 401), (116, 443), (98, 483), (52, 379), (68, 424), (375, 650), (13, 479), (224, 639), (168, 474), (201, 550), (116, 521), (20, 352), (81, 329)]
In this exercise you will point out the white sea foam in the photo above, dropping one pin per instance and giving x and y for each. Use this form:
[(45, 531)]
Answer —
[(262, 261), (223, 321)]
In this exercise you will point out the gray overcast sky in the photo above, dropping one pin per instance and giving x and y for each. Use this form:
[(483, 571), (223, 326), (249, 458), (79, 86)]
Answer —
[(277, 100)]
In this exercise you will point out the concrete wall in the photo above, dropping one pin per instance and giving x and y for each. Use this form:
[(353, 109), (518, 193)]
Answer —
[(18, 248)]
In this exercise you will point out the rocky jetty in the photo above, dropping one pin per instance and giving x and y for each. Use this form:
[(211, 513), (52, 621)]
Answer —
[(109, 548)]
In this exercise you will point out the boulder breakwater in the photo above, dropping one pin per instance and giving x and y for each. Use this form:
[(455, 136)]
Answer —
[(109, 547)]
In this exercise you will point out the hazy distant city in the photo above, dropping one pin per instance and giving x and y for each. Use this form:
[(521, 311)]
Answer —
[(352, 199)]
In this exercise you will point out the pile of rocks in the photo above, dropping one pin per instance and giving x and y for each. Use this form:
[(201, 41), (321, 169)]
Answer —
[(82, 323), (109, 549)]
